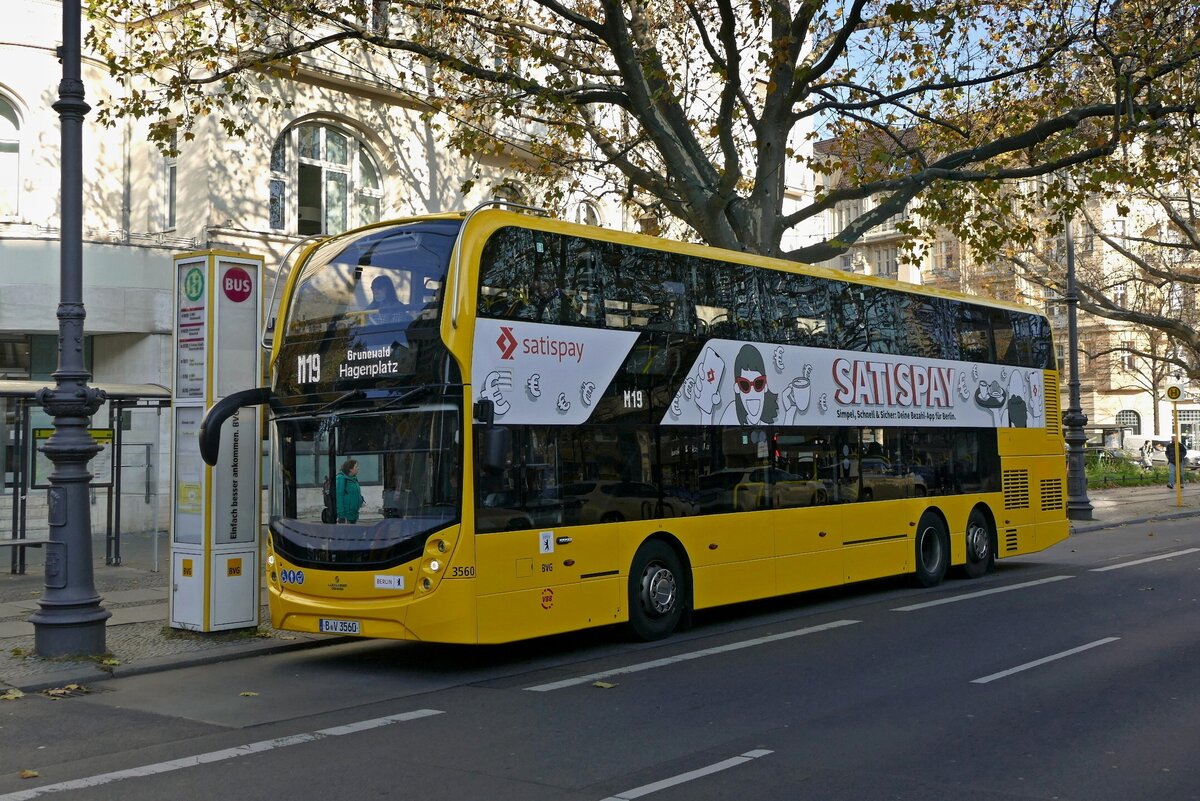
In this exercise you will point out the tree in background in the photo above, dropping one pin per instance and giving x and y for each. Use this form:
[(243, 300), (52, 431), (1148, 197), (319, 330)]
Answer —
[(701, 110), (1140, 268)]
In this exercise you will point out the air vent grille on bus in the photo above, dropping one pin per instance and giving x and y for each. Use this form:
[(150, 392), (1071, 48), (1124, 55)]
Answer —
[(1053, 410), (1010, 540), (1016, 489), (1052, 494)]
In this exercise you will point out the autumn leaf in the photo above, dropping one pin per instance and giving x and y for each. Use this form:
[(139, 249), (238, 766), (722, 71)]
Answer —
[(248, 694), (11, 694), (26, 773)]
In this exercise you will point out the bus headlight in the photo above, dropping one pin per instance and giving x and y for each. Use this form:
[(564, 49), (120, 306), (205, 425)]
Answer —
[(270, 560), (435, 565), (442, 545)]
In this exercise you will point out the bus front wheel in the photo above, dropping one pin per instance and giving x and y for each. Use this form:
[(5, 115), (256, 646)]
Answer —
[(657, 591), (932, 550), (981, 551)]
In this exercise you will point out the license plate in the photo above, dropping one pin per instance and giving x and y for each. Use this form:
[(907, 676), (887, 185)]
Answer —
[(340, 626)]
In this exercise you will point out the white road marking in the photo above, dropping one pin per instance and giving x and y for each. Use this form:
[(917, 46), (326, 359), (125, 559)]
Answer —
[(671, 660), (1147, 559), (970, 596), (216, 756), (691, 775), (1038, 662)]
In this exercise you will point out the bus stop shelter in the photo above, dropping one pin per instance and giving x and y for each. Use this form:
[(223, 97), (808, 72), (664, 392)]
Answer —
[(25, 469)]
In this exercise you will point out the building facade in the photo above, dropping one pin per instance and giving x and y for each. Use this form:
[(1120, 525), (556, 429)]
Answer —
[(348, 149)]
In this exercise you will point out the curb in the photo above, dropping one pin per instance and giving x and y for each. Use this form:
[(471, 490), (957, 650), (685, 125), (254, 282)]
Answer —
[(1101, 526), (85, 674)]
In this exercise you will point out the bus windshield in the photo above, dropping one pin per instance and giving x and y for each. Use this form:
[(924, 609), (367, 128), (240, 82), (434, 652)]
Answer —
[(368, 487), (364, 315), (388, 276)]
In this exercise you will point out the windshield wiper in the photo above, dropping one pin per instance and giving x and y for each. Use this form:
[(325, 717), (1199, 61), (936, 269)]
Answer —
[(353, 394), (403, 397)]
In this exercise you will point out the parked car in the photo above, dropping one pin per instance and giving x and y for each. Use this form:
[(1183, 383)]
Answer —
[(743, 489), (546, 508), (883, 481), (613, 501)]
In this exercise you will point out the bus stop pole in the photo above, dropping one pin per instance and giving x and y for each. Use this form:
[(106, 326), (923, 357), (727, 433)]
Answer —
[(1176, 455), (71, 620)]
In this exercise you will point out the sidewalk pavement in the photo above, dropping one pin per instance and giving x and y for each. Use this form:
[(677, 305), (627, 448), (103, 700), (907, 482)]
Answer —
[(140, 640)]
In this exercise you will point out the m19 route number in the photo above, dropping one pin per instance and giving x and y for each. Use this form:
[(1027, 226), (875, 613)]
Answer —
[(635, 399), (308, 368)]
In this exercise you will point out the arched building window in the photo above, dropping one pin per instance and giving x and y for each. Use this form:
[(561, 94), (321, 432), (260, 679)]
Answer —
[(10, 158), (511, 192), (586, 213), (324, 180), (1127, 418)]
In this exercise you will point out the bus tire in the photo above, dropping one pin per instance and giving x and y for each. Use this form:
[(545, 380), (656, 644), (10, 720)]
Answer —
[(657, 591), (981, 546), (932, 546)]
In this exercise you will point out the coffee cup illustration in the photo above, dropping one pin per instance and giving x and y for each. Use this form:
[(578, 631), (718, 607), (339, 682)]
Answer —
[(800, 391)]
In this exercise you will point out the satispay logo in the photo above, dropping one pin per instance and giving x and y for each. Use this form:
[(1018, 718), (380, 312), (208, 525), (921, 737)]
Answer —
[(506, 342)]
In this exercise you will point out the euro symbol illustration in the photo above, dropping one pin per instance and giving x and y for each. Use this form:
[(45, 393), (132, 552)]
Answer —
[(493, 389)]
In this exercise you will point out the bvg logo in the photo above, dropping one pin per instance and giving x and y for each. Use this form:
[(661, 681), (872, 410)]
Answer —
[(507, 342)]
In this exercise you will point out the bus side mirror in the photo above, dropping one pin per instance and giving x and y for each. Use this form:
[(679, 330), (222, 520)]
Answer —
[(496, 451), (222, 410), (484, 412)]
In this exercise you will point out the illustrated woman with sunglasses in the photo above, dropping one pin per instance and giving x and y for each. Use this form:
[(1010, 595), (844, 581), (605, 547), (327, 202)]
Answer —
[(753, 403)]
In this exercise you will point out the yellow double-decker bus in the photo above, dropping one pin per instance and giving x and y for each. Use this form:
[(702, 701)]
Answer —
[(494, 426)]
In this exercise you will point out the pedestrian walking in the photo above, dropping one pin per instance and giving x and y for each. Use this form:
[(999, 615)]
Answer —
[(349, 494), (1172, 455)]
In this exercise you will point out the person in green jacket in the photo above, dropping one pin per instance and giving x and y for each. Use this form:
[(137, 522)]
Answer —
[(349, 494)]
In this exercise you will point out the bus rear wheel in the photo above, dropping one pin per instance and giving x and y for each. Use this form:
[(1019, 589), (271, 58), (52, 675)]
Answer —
[(981, 551), (657, 591), (932, 544)]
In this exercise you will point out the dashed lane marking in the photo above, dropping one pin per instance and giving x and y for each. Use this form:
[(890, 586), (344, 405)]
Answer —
[(216, 756), (691, 775), (1044, 660), (671, 660), (970, 596)]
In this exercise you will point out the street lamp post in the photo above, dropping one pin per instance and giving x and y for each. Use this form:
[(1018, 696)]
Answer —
[(71, 619), (1079, 507)]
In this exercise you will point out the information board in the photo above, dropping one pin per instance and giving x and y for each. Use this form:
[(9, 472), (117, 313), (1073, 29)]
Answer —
[(101, 464)]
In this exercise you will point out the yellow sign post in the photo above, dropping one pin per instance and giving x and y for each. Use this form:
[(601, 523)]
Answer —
[(1174, 395)]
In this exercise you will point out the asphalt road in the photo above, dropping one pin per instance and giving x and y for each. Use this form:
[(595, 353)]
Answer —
[(1065, 675)]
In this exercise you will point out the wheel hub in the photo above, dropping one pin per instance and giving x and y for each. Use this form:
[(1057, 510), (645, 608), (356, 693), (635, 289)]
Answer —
[(659, 589), (977, 542)]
